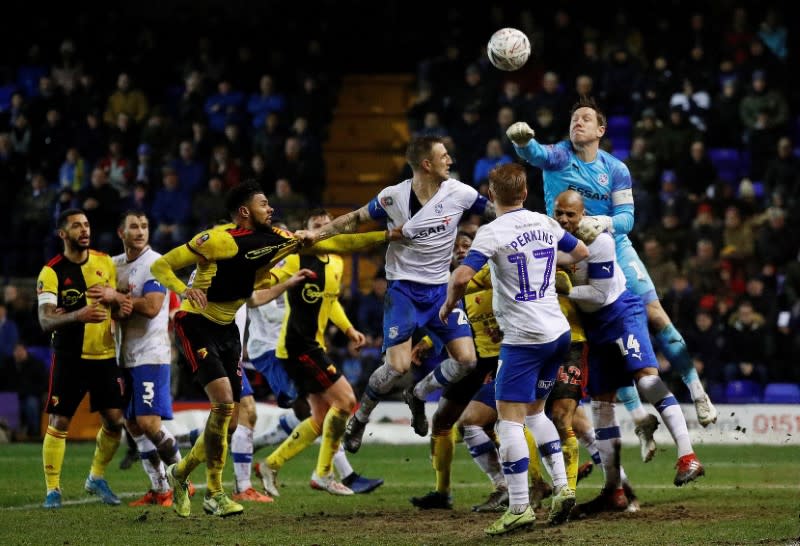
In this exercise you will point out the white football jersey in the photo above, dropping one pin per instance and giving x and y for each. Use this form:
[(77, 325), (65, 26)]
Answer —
[(141, 340), (424, 256), (240, 318), (602, 272), (522, 248), (265, 327)]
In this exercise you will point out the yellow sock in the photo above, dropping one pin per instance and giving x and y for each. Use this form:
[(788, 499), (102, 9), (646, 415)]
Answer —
[(442, 446), (457, 437), (569, 447), (195, 457), (53, 448), (332, 431), (301, 437), (106, 445), (216, 440), (534, 468)]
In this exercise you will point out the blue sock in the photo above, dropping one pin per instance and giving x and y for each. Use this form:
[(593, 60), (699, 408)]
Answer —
[(671, 343), (629, 397), (193, 434)]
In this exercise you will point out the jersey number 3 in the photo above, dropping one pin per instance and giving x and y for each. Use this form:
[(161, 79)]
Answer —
[(525, 292)]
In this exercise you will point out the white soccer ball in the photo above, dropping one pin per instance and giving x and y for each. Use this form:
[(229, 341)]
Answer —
[(508, 49)]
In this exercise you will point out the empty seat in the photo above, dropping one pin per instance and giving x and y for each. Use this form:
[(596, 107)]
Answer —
[(782, 393), (743, 392), (620, 143), (9, 409), (619, 126), (41, 352), (717, 393)]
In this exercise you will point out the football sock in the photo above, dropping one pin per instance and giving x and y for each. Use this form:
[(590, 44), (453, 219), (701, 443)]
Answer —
[(167, 446), (534, 468), (608, 441), (151, 462), (484, 452), (514, 457), (671, 343), (442, 446), (106, 445), (449, 371), (549, 444), (588, 440), (630, 399), (656, 392), (278, 433), (341, 464), (569, 448), (382, 380), (301, 437), (53, 448), (242, 454), (216, 438), (195, 457), (332, 431)]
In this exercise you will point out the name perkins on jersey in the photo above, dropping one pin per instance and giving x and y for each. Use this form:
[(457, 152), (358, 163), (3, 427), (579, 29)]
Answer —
[(529, 236)]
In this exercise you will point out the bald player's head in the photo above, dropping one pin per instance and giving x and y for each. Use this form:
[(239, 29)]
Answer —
[(569, 210)]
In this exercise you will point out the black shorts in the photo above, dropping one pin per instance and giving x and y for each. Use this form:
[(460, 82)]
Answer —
[(313, 372), (462, 391), (572, 375), (72, 377), (211, 350)]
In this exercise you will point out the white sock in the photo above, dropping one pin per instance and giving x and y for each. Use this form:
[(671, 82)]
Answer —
[(549, 445), (515, 459), (151, 462), (696, 389), (278, 433), (242, 453), (168, 434), (341, 464), (653, 389), (589, 442), (449, 371), (484, 453), (609, 441)]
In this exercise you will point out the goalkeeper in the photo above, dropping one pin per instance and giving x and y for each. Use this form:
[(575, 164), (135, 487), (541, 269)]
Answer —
[(604, 182)]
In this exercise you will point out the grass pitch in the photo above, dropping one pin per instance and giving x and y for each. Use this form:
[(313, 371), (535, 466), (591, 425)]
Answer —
[(750, 495)]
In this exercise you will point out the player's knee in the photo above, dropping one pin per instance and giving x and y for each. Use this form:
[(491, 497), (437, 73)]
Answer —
[(148, 425), (468, 364), (59, 422), (442, 421)]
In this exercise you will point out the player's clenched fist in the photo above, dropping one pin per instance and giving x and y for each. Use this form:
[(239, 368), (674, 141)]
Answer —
[(592, 226), (520, 133)]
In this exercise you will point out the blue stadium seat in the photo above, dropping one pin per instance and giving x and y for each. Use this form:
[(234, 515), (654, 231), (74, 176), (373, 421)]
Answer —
[(621, 154), (717, 393), (728, 163), (782, 393), (619, 126), (42, 352), (9, 409), (743, 392), (620, 143)]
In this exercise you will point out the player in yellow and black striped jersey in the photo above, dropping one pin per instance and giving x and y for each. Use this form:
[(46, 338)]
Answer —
[(231, 261), (301, 351), (77, 297)]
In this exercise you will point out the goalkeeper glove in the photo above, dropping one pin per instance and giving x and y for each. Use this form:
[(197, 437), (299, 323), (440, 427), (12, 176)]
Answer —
[(563, 282), (592, 226), (520, 133)]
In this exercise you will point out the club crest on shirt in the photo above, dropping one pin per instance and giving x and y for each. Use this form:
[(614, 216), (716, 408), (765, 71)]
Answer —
[(438, 208), (602, 179), (202, 239), (202, 353), (393, 332), (387, 202)]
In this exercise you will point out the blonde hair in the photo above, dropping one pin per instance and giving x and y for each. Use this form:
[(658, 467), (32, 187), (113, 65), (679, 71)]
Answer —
[(508, 183)]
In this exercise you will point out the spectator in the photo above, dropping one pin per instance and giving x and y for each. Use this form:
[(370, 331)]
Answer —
[(27, 376), (661, 269), (67, 72), (145, 171), (705, 340), (764, 113), (85, 99), (422, 102), (48, 97), (266, 100), (493, 158), (706, 226), (470, 135), (313, 103), (170, 214), (225, 106), (737, 236), (746, 345), (306, 171), (118, 168), (262, 173), (676, 137), (192, 101), (703, 268), (269, 140), (158, 134), (208, 205), (223, 166), (651, 129), (553, 97), (432, 126), (672, 235), (49, 144), (9, 333), (290, 207), (126, 100), (72, 173), (22, 308), (474, 92), (776, 243), (696, 171), (782, 176), (548, 131), (201, 141), (30, 219), (140, 199), (725, 124), (619, 79), (101, 203), (370, 310), (91, 139), (191, 172), (680, 302), (21, 135), (238, 149)]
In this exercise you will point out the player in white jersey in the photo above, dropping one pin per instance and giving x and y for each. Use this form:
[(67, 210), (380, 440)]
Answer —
[(144, 353), (605, 184), (428, 208), (620, 352), (522, 248)]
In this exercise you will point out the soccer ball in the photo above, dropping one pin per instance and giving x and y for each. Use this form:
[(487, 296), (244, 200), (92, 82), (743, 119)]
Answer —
[(508, 49)]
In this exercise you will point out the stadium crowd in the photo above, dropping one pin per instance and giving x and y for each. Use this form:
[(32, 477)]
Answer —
[(139, 127)]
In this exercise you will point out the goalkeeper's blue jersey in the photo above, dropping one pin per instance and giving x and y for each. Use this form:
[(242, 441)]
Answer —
[(605, 183)]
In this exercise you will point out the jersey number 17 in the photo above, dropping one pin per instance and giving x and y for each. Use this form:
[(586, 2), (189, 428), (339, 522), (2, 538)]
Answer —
[(525, 292)]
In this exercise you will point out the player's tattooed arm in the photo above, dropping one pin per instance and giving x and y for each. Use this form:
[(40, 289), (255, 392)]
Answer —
[(347, 223), (52, 317)]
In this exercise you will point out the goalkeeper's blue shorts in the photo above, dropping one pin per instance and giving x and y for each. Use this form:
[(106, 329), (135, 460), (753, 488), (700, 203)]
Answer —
[(637, 279)]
